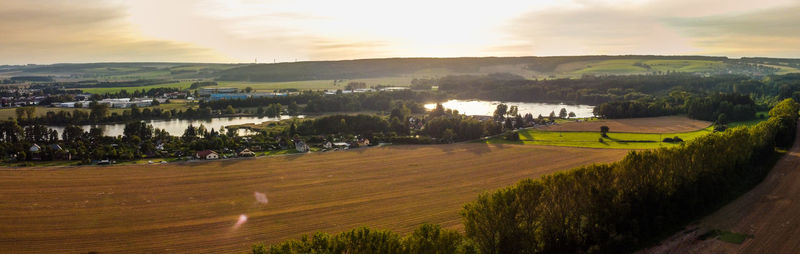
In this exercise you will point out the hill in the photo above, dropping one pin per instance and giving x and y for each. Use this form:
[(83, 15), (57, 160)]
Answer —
[(371, 68)]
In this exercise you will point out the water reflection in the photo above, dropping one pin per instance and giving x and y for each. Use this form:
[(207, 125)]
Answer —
[(486, 108), (176, 127)]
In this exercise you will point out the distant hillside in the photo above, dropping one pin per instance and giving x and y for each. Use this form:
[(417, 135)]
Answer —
[(371, 68)]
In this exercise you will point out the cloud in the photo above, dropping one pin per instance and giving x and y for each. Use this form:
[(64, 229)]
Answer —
[(595, 29), (89, 31), (770, 32), (733, 28)]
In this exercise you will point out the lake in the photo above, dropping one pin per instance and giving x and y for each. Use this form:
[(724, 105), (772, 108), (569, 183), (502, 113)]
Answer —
[(486, 108), (176, 127)]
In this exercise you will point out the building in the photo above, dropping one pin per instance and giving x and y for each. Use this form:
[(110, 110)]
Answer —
[(227, 96), (394, 88), (247, 153), (206, 155), (35, 148), (259, 95), (343, 145), (300, 146)]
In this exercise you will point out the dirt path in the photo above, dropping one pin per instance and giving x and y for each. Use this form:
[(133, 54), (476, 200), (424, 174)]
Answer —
[(193, 207), (662, 124), (770, 214)]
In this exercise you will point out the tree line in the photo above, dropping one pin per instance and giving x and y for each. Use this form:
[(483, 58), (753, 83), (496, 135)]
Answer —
[(603, 208)]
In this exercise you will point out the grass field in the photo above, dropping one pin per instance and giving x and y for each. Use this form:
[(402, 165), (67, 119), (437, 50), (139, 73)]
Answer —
[(621, 140), (578, 134), (192, 207), (626, 66)]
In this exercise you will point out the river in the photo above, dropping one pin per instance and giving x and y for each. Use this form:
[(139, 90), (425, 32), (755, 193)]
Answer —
[(176, 127), (486, 108)]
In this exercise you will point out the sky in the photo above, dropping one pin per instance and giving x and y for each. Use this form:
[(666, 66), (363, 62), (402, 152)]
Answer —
[(246, 31)]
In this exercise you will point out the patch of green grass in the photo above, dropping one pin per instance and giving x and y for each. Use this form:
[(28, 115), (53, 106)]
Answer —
[(726, 236), (617, 140)]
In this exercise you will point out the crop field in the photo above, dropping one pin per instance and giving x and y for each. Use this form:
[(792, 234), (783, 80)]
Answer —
[(763, 220), (193, 207)]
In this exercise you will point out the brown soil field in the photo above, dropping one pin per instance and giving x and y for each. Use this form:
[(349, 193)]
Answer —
[(662, 124), (193, 207), (769, 214)]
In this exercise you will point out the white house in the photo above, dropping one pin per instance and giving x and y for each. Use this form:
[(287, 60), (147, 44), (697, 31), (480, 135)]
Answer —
[(207, 155), (300, 146)]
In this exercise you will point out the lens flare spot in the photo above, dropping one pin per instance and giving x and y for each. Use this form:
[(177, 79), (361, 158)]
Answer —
[(261, 197), (242, 220)]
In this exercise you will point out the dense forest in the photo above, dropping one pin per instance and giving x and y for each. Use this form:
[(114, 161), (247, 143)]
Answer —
[(607, 208)]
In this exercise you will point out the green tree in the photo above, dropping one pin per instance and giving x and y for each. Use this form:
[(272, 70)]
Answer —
[(230, 110), (604, 131), (293, 108), (500, 112), (562, 113)]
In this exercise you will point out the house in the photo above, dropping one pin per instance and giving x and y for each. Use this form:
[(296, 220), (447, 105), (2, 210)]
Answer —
[(206, 155), (56, 147), (327, 145), (301, 146), (35, 148), (227, 96), (35, 152), (246, 153), (341, 145), (363, 142), (63, 155)]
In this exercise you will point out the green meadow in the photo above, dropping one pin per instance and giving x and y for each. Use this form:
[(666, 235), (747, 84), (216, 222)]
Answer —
[(629, 66), (617, 140)]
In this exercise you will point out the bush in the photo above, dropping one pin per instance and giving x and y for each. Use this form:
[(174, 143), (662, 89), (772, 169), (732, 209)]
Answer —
[(512, 136)]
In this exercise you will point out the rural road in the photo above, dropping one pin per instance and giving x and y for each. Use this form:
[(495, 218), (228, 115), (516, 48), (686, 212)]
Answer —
[(769, 213)]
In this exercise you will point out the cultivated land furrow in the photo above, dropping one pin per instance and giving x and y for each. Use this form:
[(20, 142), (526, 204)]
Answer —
[(192, 207)]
